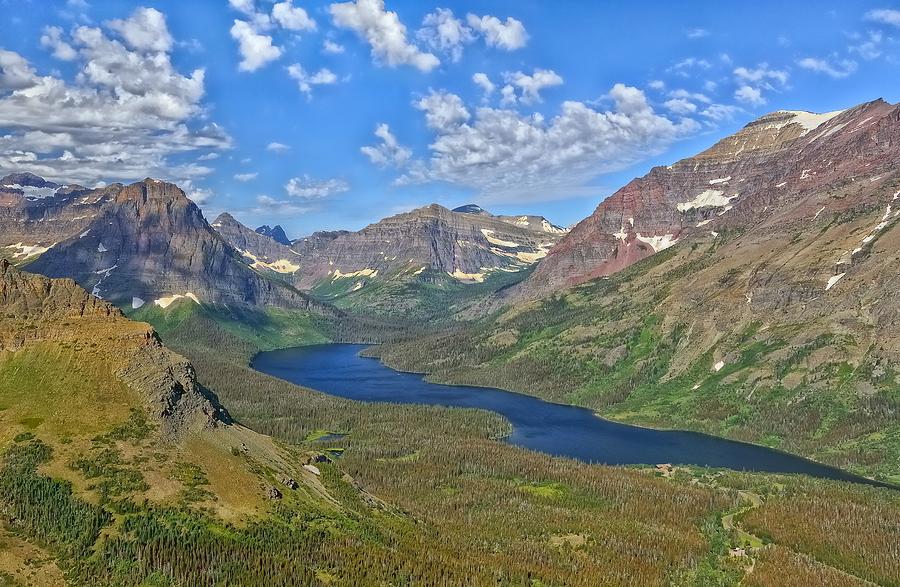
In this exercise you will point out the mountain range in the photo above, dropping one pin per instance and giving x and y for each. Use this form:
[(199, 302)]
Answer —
[(752, 281), (748, 292)]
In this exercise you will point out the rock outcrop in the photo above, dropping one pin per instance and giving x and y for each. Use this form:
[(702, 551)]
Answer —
[(36, 309)]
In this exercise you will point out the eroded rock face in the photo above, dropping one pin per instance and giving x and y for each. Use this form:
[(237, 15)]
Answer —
[(787, 164), (34, 308), (464, 245), (151, 242)]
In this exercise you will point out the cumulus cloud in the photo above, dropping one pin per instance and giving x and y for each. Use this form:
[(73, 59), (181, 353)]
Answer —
[(509, 35), (144, 30), (749, 95), (530, 86), (292, 18), (884, 16), (389, 152), (484, 82), (278, 148), (384, 33), (761, 74), (837, 70), (52, 39), (680, 106), (752, 81), (15, 72), (306, 81), (126, 115), (442, 31), (332, 47), (307, 188), (509, 156), (697, 33), (256, 48), (245, 177), (443, 110)]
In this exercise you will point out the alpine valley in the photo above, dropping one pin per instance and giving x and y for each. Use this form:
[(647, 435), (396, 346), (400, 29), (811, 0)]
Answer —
[(747, 292)]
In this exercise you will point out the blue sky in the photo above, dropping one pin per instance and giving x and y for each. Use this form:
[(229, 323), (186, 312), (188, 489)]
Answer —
[(269, 109)]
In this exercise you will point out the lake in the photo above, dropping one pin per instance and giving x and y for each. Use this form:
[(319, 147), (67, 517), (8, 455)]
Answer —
[(556, 429)]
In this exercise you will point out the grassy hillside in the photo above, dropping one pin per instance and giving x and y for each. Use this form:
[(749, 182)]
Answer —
[(732, 335)]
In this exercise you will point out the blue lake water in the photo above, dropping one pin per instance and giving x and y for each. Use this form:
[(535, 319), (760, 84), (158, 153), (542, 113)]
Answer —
[(556, 429)]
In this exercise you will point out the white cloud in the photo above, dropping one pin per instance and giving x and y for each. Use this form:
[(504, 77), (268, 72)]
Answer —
[(278, 148), (762, 74), (245, 6), (509, 36), (680, 106), (15, 72), (442, 31), (256, 48), (305, 81), (868, 48), (484, 82), (749, 95), (697, 33), (684, 66), (291, 17), (719, 112), (267, 205), (52, 39), (884, 16), (509, 156), (144, 30), (307, 188), (657, 84), (245, 177), (530, 86), (443, 110), (332, 47), (686, 95), (208, 157), (837, 70), (383, 31), (389, 152), (128, 111)]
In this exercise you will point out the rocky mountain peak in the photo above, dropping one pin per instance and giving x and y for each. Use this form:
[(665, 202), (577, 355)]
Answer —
[(785, 163), (27, 179), (471, 209), (275, 233)]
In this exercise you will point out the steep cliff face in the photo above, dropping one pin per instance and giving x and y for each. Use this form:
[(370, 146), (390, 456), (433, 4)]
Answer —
[(150, 243), (787, 165), (37, 310)]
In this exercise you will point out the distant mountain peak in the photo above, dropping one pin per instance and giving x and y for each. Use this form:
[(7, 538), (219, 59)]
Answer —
[(275, 233), (471, 209)]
